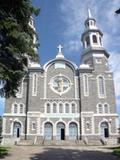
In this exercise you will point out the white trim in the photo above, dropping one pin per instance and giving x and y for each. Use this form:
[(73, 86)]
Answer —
[(93, 125), (58, 75), (98, 55), (11, 129), (15, 115), (109, 126), (85, 87), (58, 106), (4, 126), (38, 126), (18, 109), (104, 86), (62, 115), (43, 124), (76, 90), (78, 126), (107, 114), (32, 128), (45, 85)]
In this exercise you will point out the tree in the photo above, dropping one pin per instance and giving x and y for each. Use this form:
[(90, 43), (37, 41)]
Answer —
[(16, 43), (117, 11), (0, 125)]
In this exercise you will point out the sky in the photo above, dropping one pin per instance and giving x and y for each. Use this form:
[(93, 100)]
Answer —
[(62, 22)]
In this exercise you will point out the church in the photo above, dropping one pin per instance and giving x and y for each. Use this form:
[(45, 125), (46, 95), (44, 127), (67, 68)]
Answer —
[(61, 101)]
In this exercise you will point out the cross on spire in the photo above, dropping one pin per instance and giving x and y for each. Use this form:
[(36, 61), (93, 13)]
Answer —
[(60, 48)]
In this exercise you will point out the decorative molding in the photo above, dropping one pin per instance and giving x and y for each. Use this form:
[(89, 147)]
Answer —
[(106, 115), (34, 84), (14, 115), (55, 77), (86, 85)]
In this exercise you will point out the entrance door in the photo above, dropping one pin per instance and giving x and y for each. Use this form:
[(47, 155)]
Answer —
[(60, 131), (104, 129), (62, 134), (73, 131), (48, 131), (16, 129)]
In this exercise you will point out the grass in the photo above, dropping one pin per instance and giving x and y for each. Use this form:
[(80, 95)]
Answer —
[(116, 151), (3, 151)]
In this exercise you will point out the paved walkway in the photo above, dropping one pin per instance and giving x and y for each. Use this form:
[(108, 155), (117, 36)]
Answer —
[(59, 153)]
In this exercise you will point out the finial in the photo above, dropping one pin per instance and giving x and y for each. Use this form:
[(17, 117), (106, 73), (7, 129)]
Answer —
[(60, 55), (60, 48), (89, 13)]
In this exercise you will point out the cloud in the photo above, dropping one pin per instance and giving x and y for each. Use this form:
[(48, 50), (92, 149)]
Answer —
[(73, 15)]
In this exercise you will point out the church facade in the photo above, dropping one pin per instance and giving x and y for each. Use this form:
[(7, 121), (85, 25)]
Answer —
[(63, 101)]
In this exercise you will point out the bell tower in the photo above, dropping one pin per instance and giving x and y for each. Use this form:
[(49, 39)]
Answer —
[(92, 42)]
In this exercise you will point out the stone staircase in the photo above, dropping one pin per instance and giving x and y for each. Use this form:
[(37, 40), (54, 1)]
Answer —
[(51, 143), (90, 142)]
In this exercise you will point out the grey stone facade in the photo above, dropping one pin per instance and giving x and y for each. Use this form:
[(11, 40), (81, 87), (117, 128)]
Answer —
[(62, 101)]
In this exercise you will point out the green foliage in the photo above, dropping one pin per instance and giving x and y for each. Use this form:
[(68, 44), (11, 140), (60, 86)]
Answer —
[(16, 43), (3, 151), (116, 151)]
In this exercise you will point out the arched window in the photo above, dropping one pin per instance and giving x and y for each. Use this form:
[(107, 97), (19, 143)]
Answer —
[(60, 108), (106, 108), (100, 108), (85, 84), (15, 109), (48, 108), (21, 108), (88, 24), (101, 86), (34, 89), (87, 41), (73, 108), (67, 108), (94, 39), (54, 108)]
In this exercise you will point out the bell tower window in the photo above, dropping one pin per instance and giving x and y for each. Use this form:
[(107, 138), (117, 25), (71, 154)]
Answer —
[(88, 24), (88, 41), (94, 39)]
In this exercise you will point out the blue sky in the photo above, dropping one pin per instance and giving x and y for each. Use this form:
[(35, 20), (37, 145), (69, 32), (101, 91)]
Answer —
[(62, 22)]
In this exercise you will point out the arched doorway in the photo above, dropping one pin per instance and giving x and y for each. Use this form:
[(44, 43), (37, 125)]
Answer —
[(60, 131), (104, 129), (16, 129), (73, 131), (48, 131)]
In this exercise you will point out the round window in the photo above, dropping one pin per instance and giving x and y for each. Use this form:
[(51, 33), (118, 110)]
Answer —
[(60, 84)]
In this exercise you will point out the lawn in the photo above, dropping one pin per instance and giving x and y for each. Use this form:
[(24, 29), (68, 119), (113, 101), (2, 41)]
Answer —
[(116, 151), (3, 151)]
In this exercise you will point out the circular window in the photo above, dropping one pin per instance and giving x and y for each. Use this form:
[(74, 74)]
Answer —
[(60, 84)]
